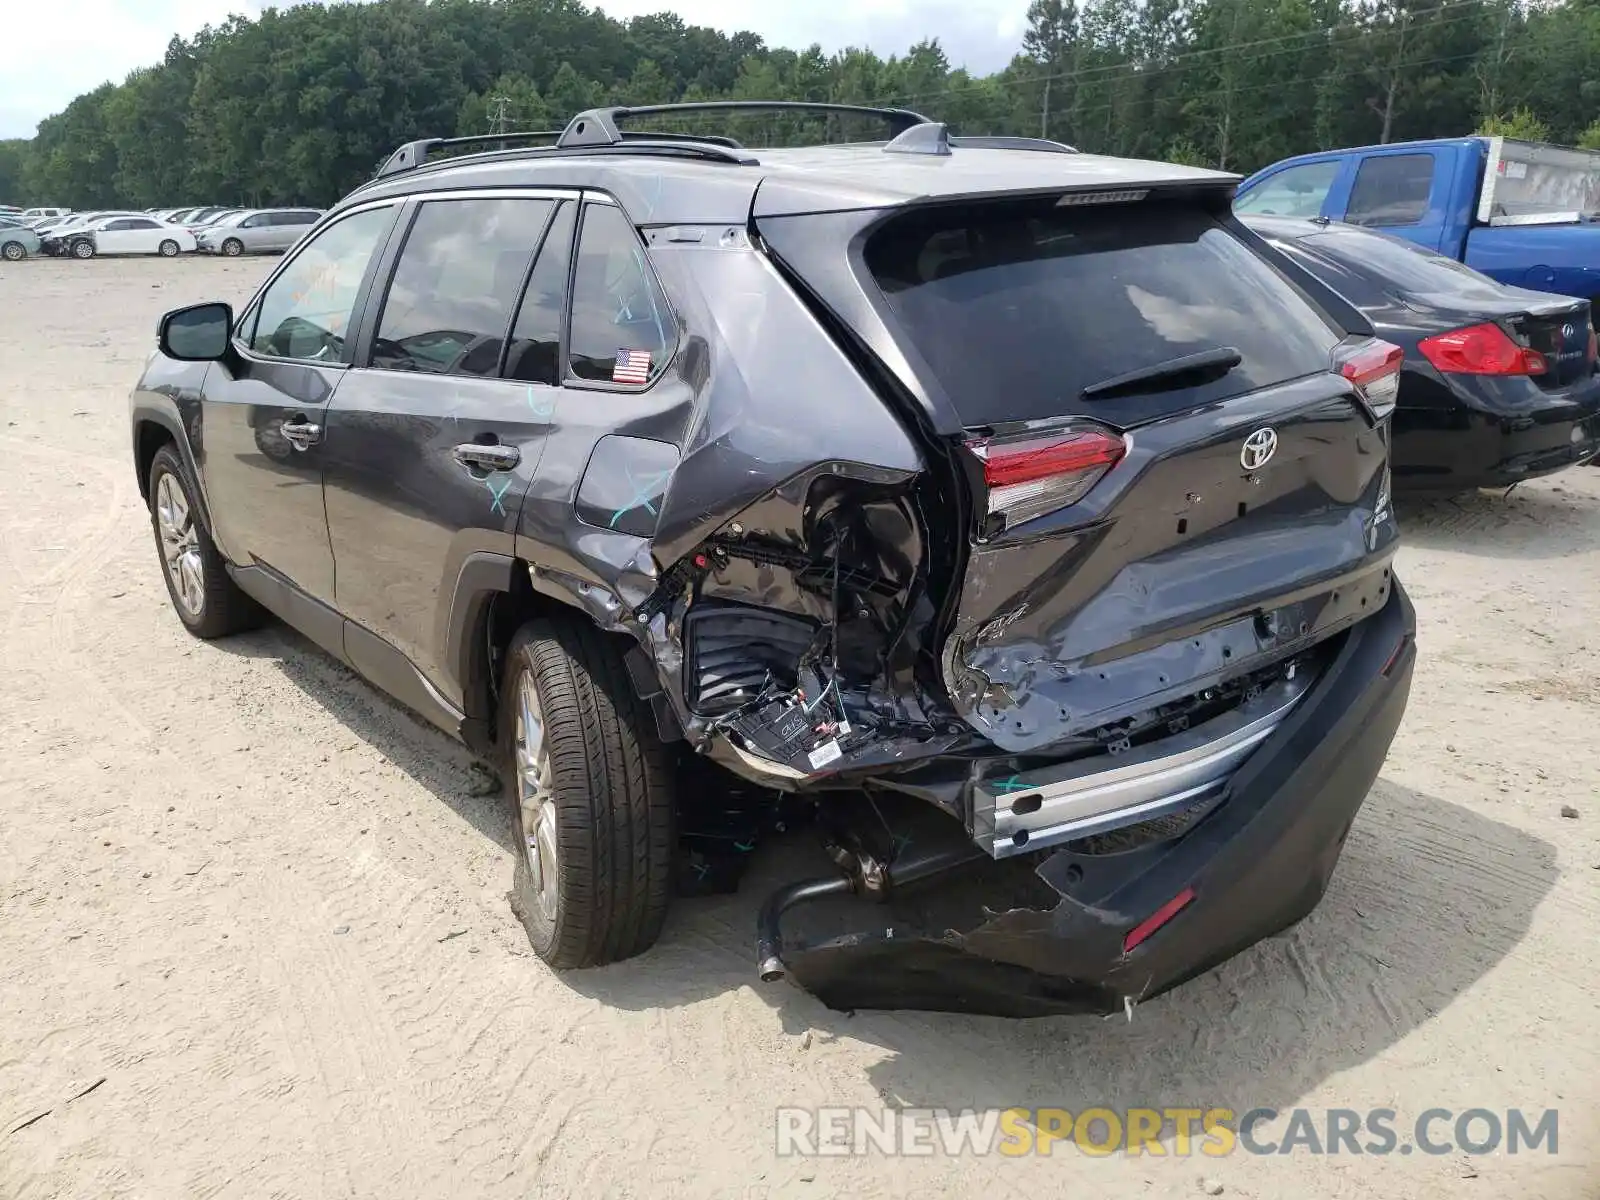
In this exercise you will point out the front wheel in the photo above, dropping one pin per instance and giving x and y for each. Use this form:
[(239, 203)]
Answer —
[(593, 788), (82, 249), (233, 247), (168, 248), (14, 251), (206, 599)]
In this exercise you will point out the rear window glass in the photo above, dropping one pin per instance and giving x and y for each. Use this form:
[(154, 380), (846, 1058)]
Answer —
[(1018, 309), (1391, 189), (1399, 265)]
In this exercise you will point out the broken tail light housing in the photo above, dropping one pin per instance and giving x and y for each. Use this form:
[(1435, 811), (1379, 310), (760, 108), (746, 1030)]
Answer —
[(1029, 476), (1374, 367), (1484, 349)]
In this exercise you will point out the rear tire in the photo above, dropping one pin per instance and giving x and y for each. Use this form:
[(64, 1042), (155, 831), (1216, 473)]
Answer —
[(14, 251), (233, 247), (168, 248), (592, 788), (203, 594)]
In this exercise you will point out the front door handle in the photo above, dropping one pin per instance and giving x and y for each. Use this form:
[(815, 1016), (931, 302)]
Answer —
[(301, 434), (491, 457)]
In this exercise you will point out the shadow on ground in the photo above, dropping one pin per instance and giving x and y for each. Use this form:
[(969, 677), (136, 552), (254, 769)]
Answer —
[(1549, 518), (1428, 897), (438, 763)]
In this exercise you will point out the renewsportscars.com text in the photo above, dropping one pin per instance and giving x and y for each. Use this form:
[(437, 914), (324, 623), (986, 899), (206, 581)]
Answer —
[(1162, 1132)]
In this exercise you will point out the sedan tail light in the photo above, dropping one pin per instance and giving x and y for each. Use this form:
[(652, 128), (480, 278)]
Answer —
[(1030, 476), (1374, 367), (1481, 350)]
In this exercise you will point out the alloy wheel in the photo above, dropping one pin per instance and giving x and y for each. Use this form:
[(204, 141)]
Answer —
[(180, 546), (14, 251), (535, 801)]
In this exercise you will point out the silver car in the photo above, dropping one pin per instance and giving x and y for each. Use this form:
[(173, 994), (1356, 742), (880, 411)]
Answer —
[(257, 231), (17, 241)]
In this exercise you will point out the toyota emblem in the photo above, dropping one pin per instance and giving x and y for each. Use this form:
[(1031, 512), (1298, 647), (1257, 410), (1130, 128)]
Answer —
[(1568, 332), (1258, 449)]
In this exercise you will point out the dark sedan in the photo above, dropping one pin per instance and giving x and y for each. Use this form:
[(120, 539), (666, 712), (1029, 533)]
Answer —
[(1499, 383)]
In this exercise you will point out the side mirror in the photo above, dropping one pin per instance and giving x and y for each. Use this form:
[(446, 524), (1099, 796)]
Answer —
[(198, 333)]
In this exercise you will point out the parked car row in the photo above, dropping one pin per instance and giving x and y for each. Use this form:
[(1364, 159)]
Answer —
[(166, 232), (1478, 256)]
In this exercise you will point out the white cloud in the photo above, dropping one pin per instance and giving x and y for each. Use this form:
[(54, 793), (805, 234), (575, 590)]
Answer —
[(80, 44), (93, 41)]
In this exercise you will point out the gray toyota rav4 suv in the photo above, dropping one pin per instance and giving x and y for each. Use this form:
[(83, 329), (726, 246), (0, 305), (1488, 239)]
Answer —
[(1010, 514)]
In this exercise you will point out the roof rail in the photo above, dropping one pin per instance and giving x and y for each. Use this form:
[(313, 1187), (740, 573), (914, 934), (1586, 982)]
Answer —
[(415, 154), (598, 126), (985, 142)]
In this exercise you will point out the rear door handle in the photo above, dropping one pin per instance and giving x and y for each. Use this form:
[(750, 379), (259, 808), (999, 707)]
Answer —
[(487, 458), (301, 434)]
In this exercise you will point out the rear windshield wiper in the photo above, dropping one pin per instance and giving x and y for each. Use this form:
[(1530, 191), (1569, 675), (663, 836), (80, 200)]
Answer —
[(1174, 372)]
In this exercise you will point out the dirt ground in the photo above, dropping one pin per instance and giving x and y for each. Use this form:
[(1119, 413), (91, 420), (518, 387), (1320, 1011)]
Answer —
[(262, 910)]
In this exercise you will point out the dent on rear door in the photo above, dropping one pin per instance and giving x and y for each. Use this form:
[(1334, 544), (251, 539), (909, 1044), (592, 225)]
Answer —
[(791, 516)]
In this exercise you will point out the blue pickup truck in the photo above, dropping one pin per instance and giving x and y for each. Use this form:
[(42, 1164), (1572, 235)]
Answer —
[(1524, 213)]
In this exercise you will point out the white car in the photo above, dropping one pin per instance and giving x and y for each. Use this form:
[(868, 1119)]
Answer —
[(29, 214), (130, 235)]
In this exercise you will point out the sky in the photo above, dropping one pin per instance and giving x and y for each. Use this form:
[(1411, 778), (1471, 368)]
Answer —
[(112, 37)]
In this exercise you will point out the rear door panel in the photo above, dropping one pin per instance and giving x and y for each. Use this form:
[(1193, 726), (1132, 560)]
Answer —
[(404, 511)]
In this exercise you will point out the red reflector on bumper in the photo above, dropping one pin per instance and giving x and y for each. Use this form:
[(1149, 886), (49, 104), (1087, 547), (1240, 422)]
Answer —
[(1157, 919)]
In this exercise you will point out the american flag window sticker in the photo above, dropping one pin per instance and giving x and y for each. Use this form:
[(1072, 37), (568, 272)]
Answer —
[(632, 366)]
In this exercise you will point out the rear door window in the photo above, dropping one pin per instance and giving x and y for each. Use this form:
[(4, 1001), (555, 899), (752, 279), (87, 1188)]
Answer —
[(454, 287), (1391, 189), (535, 353), (1292, 192), (622, 330), (1018, 308)]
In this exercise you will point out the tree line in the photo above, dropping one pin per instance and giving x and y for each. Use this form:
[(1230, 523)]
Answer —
[(300, 104)]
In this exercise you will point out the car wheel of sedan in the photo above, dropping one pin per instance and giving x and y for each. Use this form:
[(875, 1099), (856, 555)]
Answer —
[(82, 249), (593, 790), (207, 601), (14, 251), (168, 248), (233, 247)]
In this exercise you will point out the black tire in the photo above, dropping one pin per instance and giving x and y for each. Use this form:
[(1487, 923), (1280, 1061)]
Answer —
[(223, 608), (611, 798), (168, 248), (83, 249), (14, 251), (233, 247)]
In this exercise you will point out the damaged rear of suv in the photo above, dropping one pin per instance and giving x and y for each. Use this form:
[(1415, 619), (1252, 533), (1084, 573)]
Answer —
[(997, 501)]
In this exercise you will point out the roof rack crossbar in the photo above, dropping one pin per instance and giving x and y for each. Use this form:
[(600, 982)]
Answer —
[(414, 154), (598, 126)]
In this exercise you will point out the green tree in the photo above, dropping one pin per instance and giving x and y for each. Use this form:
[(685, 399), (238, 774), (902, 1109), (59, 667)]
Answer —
[(1520, 124)]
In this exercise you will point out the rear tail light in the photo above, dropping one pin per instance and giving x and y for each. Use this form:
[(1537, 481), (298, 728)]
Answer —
[(1028, 477), (1481, 350), (1590, 354), (1374, 367)]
